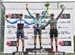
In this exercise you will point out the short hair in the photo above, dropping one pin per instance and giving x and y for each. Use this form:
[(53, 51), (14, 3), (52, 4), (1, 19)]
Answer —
[(51, 14), (6, 16), (20, 14), (37, 14)]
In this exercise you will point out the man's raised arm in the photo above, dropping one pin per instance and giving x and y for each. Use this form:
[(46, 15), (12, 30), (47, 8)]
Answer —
[(62, 7), (59, 14), (29, 11)]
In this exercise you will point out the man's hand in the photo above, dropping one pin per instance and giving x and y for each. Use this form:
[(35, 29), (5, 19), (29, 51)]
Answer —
[(62, 7), (6, 17), (42, 27), (26, 8)]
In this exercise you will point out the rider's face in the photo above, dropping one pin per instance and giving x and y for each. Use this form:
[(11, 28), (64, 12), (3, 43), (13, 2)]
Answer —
[(37, 16), (20, 17), (52, 17)]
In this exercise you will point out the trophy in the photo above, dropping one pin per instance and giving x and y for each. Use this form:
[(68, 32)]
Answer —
[(26, 6), (47, 6), (62, 6)]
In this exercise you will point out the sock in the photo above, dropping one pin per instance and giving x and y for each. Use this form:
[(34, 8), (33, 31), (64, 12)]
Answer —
[(40, 44), (51, 47), (34, 44), (22, 48), (56, 47), (17, 49)]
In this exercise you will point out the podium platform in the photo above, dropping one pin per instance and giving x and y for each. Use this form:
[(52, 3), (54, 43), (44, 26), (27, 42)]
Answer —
[(31, 51), (38, 49)]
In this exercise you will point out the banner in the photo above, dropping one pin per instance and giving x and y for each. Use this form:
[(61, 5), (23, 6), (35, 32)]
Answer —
[(65, 36)]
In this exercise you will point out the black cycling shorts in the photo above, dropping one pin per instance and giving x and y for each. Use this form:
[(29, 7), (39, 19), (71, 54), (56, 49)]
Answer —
[(53, 33)]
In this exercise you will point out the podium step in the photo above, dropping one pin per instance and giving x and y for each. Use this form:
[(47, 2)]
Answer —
[(42, 53), (19, 53), (38, 49)]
